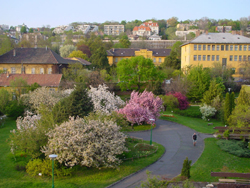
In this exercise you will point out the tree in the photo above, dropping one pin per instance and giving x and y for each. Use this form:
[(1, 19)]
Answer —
[(142, 107), (31, 30), (200, 80), (99, 59), (5, 44), (177, 49), (172, 22), (136, 71), (19, 86), (86, 142), (66, 50), (186, 168), (25, 44), (172, 61), (182, 100), (4, 99), (79, 54), (23, 29), (84, 48), (125, 41)]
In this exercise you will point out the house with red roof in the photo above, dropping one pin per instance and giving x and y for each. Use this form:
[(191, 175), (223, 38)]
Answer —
[(146, 29)]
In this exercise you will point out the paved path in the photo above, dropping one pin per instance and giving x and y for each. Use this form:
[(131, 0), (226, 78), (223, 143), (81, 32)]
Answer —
[(177, 140)]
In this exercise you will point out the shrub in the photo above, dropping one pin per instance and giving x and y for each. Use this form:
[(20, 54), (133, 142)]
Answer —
[(192, 111), (207, 111), (238, 148), (226, 134), (91, 143), (15, 109), (142, 107), (36, 166), (182, 99), (169, 101), (186, 168), (153, 181)]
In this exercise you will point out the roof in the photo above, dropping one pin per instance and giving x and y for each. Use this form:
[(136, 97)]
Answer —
[(82, 61), (122, 52), (33, 56), (220, 38), (141, 27), (49, 80), (152, 24)]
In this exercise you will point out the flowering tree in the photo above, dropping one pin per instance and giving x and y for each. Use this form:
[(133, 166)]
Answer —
[(91, 143), (207, 111), (142, 107), (104, 100), (43, 96), (182, 99)]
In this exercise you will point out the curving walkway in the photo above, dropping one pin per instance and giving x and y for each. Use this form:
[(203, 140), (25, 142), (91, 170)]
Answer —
[(177, 140)]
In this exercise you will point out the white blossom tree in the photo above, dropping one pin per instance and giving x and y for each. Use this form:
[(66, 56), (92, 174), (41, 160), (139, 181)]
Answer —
[(104, 100), (91, 143)]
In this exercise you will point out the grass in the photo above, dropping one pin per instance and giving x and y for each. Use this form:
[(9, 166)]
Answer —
[(82, 177), (213, 159), (197, 124), (135, 128)]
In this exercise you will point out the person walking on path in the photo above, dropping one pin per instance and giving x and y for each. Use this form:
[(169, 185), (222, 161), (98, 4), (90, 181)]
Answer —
[(194, 139)]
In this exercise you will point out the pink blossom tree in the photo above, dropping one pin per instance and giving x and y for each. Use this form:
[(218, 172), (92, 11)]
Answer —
[(142, 107)]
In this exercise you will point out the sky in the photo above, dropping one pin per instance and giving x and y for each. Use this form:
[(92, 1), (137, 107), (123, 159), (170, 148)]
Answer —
[(35, 13)]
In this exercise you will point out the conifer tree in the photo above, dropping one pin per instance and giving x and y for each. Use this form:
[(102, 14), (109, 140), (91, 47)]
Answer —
[(186, 168), (227, 107), (232, 101)]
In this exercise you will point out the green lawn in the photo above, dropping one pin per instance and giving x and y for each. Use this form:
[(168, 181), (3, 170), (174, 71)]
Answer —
[(216, 160), (197, 124), (82, 177)]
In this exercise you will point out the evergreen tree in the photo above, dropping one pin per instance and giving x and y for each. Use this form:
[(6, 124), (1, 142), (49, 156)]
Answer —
[(232, 101), (99, 59), (186, 168)]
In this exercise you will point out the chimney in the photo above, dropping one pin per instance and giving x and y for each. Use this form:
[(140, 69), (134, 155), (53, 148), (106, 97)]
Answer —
[(8, 74), (206, 32), (14, 52), (197, 33), (113, 50), (241, 32), (233, 32)]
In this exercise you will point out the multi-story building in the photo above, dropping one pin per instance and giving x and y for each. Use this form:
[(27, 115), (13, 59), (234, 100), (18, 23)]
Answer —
[(142, 31), (113, 29), (231, 50), (157, 55), (185, 27), (153, 26)]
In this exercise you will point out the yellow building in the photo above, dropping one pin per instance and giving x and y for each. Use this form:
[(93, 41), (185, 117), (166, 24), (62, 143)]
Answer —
[(33, 61), (157, 55), (230, 50)]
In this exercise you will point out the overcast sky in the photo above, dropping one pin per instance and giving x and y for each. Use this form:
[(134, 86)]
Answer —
[(54, 12)]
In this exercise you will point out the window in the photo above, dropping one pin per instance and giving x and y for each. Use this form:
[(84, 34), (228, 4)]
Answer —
[(240, 47), (217, 57), (249, 58), (33, 71), (49, 70), (159, 60), (218, 48), (199, 47), (213, 57), (204, 47), (204, 58), (13, 70), (195, 57), (116, 59), (227, 46), (195, 47), (222, 47), (208, 57), (235, 58), (240, 58), (41, 71), (244, 58), (208, 47), (231, 58), (245, 47), (213, 47), (4, 70), (231, 47), (121, 58), (233, 70), (235, 47), (248, 47), (154, 60), (199, 57)]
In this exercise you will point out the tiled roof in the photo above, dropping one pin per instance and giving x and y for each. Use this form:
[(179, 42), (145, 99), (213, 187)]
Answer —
[(49, 80), (151, 24), (123, 52), (33, 56), (141, 27), (220, 38)]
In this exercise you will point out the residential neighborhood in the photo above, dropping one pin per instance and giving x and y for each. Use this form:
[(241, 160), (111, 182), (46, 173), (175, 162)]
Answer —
[(125, 94)]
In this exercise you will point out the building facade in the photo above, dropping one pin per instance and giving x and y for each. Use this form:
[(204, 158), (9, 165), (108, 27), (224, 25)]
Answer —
[(113, 29), (231, 50), (157, 55)]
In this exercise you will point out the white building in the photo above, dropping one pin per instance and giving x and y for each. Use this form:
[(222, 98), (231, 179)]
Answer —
[(153, 26), (4, 27), (113, 29)]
